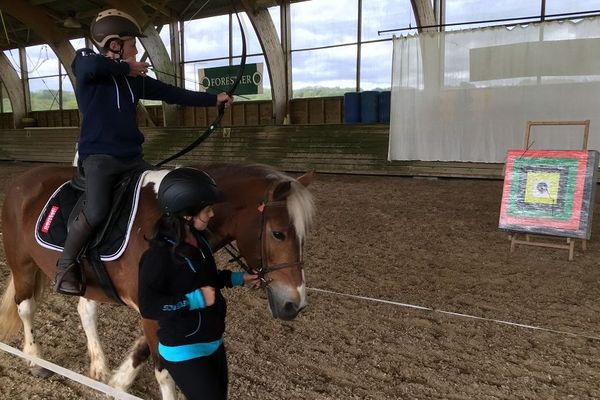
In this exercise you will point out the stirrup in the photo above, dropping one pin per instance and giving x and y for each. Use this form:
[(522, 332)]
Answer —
[(60, 275)]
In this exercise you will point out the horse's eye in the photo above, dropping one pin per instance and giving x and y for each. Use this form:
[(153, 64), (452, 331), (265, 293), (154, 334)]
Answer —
[(279, 236)]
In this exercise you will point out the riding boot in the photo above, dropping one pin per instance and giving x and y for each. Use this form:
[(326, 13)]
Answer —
[(68, 271)]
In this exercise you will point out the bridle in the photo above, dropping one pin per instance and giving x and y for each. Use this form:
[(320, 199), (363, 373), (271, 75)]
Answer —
[(263, 267)]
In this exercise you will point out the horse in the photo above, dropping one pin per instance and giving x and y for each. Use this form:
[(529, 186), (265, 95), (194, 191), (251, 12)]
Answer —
[(266, 212)]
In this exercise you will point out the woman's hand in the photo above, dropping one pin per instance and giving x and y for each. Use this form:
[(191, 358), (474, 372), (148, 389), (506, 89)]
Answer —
[(208, 292), (137, 68), (225, 99), (251, 279)]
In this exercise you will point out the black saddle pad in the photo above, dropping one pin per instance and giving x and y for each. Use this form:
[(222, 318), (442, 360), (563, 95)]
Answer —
[(51, 226)]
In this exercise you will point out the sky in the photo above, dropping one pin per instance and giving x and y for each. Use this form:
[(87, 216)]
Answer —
[(316, 23)]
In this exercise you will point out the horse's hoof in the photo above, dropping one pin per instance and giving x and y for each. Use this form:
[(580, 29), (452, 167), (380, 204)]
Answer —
[(100, 374), (40, 372)]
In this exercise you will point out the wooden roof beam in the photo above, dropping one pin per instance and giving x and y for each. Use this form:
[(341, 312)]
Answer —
[(424, 15), (161, 8), (45, 27), (13, 85), (271, 45)]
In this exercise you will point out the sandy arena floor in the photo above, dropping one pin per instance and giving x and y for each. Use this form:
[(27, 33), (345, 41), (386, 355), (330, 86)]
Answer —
[(433, 243)]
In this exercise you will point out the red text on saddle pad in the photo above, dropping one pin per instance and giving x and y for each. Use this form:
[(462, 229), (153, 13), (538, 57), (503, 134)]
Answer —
[(49, 218)]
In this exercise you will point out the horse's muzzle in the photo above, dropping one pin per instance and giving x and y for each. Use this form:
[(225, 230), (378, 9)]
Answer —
[(284, 307)]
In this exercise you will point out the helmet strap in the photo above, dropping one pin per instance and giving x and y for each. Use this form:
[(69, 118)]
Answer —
[(119, 51), (189, 221)]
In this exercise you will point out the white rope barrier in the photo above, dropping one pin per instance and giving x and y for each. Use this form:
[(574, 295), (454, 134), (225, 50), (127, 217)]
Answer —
[(74, 376), (120, 395), (455, 314)]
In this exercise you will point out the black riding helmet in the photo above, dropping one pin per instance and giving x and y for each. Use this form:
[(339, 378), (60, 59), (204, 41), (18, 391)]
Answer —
[(187, 190), (113, 24)]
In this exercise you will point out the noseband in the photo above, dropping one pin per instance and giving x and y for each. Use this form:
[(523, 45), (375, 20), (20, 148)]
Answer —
[(263, 268)]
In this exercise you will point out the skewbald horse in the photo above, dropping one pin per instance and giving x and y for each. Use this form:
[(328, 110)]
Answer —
[(266, 212)]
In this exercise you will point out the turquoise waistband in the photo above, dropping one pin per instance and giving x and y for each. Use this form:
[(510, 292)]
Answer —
[(188, 351)]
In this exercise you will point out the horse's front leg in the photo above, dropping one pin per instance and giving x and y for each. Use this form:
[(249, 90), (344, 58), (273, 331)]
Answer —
[(168, 389), (124, 376), (144, 347), (88, 312)]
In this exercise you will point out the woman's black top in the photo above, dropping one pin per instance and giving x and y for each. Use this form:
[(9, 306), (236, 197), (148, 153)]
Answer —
[(169, 290)]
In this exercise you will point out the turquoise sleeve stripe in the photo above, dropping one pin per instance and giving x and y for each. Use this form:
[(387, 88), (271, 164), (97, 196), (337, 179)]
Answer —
[(237, 279), (196, 299), (188, 351)]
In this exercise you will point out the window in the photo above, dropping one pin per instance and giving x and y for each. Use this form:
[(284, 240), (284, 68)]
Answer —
[(324, 72), (458, 11), (204, 49), (562, 6), (382, 15), (165, 36), (252, 43), (6, 105), (44, 76), (276, 17), (206, 38), (318, 23), (376, 66), (69, 102), (44, 93)]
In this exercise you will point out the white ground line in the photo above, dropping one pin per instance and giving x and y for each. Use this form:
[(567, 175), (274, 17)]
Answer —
[(455, 314), (74, 376)]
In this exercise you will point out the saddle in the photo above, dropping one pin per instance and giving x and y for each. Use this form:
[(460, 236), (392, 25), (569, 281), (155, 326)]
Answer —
[(109, 242)]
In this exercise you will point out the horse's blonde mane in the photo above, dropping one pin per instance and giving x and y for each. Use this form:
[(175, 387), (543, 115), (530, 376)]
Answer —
[(300, 202)]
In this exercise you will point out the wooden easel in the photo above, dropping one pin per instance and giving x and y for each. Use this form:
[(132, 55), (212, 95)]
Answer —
[(570, 244)]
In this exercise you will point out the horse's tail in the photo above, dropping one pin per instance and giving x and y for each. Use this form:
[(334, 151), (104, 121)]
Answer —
[(9, 316)]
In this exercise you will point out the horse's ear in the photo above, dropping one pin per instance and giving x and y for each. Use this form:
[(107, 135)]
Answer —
[(307, 178), (282, 190)]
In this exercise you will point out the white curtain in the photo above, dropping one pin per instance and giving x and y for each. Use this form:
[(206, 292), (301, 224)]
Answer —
[(467, 96)]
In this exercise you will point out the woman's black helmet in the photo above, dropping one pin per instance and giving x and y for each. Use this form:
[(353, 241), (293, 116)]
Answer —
[(187, 190), (113, 24)]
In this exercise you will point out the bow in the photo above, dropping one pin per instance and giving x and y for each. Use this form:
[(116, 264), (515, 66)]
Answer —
[(221, 110)]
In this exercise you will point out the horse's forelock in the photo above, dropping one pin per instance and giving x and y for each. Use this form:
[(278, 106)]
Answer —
[(301, 207), (300, 204)]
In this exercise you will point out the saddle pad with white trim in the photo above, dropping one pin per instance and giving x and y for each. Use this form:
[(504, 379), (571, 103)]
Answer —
[(51, 226)]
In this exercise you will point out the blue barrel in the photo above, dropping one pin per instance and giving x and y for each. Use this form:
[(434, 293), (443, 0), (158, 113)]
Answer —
[(385, 98), (351, 107), (369, 107)]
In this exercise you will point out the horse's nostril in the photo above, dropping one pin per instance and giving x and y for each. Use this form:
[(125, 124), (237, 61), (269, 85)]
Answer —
[(289, 307), (288, 311)]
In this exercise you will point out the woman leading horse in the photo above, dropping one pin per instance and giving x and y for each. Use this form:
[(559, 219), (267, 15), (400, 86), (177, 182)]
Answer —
[(267, 214), (180, 286)]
